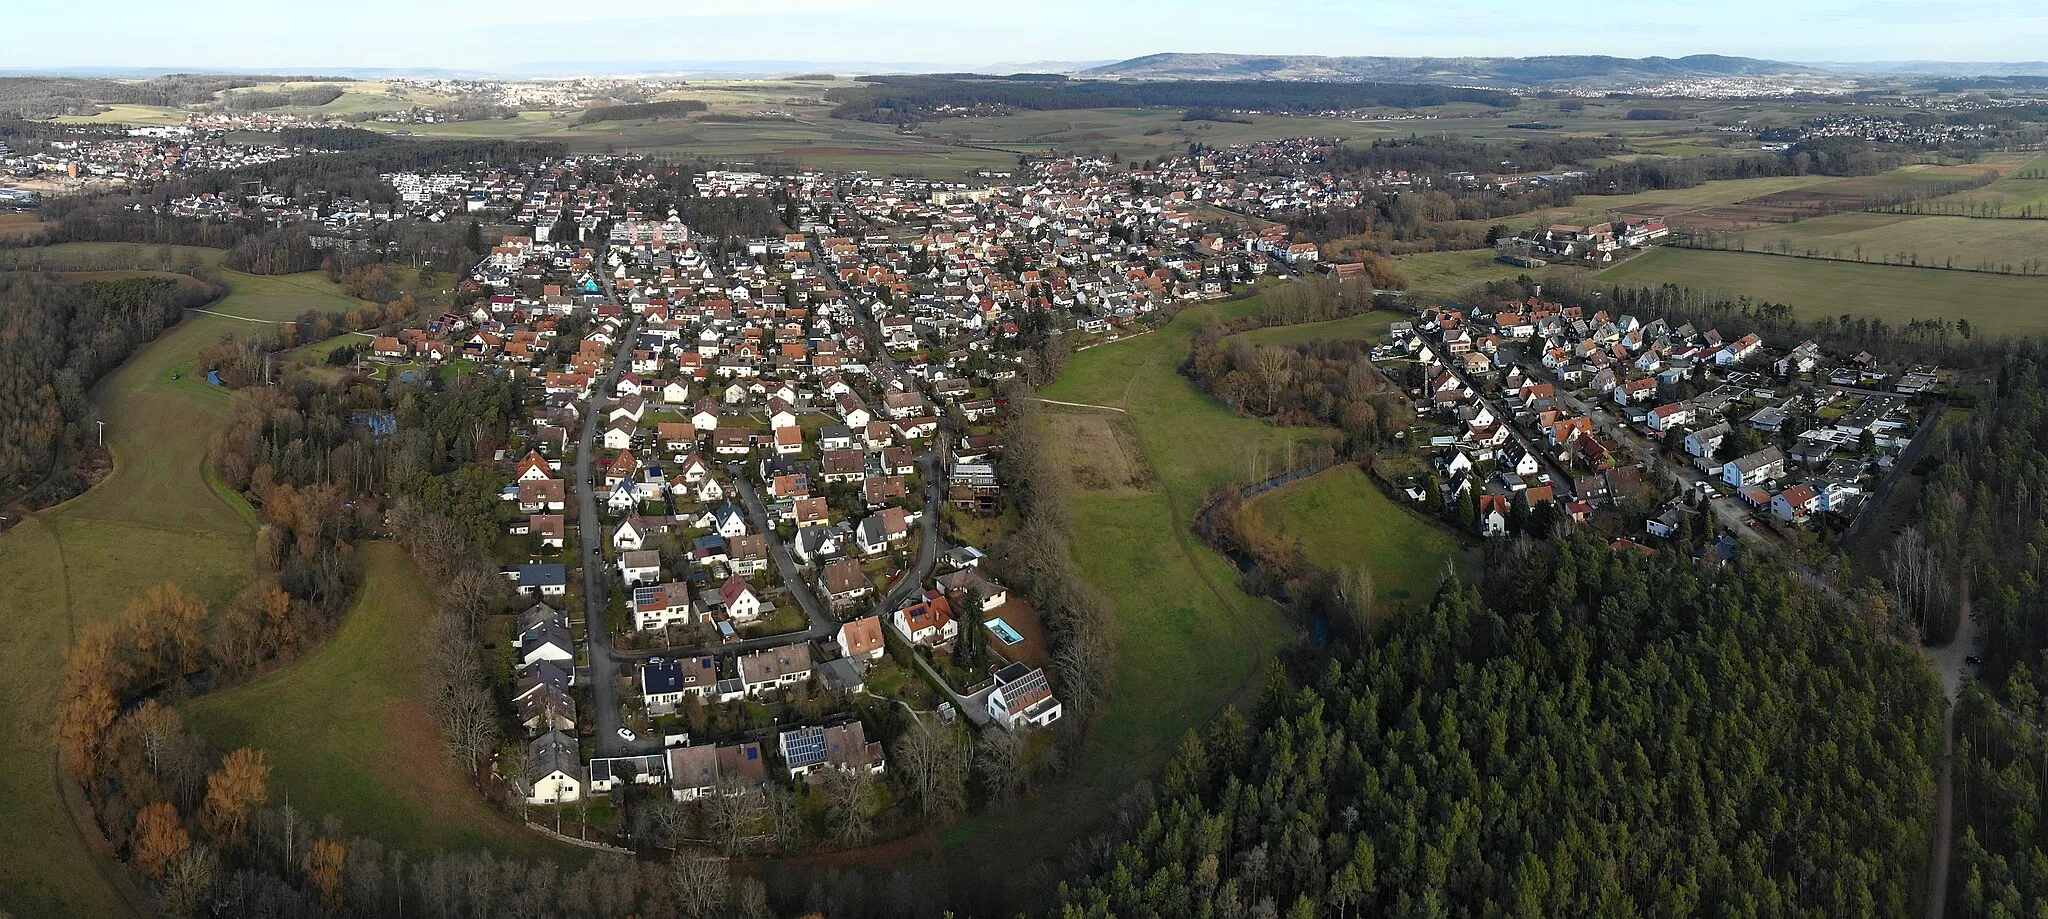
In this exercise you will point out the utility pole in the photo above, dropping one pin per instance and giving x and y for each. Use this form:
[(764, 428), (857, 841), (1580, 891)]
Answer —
[(103, 432)]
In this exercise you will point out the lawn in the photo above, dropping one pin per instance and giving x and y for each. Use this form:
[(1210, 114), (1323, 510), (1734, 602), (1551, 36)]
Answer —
[(1370, 327), (1959, 242), (158, 517), (349, 734), (1998, 304), (1343, 521)]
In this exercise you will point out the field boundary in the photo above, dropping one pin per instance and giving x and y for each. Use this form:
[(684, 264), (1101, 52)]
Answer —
[(1106, 408), (1851, 261)]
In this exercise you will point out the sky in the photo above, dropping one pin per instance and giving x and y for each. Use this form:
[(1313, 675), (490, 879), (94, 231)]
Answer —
[(502, 35)]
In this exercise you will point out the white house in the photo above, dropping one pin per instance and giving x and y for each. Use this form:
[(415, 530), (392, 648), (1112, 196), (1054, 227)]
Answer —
[(1022, 697), (640, 567), (554, 769)]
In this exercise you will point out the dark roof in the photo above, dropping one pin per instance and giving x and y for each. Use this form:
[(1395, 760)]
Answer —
[(543, 575)]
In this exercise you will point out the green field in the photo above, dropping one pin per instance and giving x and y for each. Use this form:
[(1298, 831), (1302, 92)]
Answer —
[(810, 139), (1189, 640), (2010, 196), (1370, 327), (157, 518), (1998, 304), (1449, 273), (349, 734), (1344, 521), (1959, 242)]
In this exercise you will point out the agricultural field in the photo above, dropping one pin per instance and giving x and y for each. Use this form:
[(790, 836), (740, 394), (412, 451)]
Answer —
[(811, 139), (1958, 242), (1369, 327), (2010, 196), (348, 731), (13, 225), (1996, 304), (1344, 521)]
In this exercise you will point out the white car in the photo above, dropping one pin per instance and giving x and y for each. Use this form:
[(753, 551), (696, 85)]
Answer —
[(627, 734)]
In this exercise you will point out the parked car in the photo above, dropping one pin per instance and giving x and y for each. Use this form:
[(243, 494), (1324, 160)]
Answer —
[(627, 734)]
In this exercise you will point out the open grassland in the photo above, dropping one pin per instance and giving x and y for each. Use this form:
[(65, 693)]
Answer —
[(102, 256), (1997, 304), (1189, 640), (1370, 327), (1958, 242), (1344, 522), (1176, 600), (125, 113), (349, 734), (811, 139), (158, 517)]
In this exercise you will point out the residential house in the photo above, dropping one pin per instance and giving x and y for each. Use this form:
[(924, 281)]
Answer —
[(843, 746), (554, 766), (861, 639), (1022, 696), (774, 668), (699, 771)]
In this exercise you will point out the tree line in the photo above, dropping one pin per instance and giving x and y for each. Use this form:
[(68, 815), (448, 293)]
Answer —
[(57, 338), (912, 98), (1609, 734)]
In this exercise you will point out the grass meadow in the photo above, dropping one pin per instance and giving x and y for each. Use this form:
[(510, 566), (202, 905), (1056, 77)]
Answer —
[(1190, 641), (157, 517), (349, 734), (1997, 304), (1344, 521)]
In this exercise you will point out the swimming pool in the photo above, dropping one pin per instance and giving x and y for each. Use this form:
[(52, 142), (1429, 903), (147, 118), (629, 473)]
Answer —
[(1003, 631)]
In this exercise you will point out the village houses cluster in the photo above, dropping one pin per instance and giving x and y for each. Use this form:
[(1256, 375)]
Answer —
[(770, 451), (1537, 402)]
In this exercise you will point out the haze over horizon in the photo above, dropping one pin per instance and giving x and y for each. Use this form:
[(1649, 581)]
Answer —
[(504, 35)]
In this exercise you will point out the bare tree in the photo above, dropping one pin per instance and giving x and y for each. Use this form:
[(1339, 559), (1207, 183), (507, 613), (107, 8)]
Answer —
[(933, 759), (999, 761), (188, 885), (850, 807), (731, 814), (701, 885)]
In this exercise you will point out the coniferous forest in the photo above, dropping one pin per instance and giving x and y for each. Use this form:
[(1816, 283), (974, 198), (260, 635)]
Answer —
[(1615, 735)]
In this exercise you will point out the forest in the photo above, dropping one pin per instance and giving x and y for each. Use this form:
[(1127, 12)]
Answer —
[(632, 111), (44, 97), (1979, 549), (1612, 735), (57, 338)]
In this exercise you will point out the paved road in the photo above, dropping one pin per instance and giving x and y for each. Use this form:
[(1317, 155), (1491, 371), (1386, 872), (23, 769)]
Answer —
[(819, 614), (930, 544), (1560, 480), (604, 664)]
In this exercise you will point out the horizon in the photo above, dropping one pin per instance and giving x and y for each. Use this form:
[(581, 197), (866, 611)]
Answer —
[(510, 35)]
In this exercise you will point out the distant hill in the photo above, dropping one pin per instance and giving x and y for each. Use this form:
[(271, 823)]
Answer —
[(1522, 72)]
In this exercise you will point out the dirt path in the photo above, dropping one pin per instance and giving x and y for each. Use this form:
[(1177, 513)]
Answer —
[(1951, 664)]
